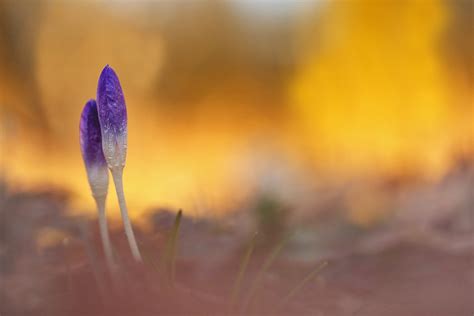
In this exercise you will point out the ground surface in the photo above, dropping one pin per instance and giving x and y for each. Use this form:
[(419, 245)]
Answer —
[(405, 266)]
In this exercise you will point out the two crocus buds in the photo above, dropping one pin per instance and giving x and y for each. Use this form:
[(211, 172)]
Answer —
[(103, 131), (103, 138)]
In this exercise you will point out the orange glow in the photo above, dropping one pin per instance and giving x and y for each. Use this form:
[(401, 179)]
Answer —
[(369, 96), (374, 96)]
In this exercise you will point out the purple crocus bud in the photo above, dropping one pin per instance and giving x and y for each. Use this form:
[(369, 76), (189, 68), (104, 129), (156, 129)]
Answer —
[(113, 124), (112, 117), (91, 148)]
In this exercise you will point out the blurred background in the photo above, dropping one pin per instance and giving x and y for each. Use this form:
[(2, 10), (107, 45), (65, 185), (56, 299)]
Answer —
[(361, 111), (229, 97)]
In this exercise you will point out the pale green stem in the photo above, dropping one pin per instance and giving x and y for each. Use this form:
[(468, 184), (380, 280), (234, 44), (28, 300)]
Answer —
[(117, 175), (300, 285), (104, 231), (261, 273), (242, 269)]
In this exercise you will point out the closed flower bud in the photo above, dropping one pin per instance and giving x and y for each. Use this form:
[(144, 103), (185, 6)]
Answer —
[(97, 171), (113, 123), (112, 117), (91, 148)]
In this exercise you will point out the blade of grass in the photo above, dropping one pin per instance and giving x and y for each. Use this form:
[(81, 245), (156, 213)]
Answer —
[(303, 282), (170, 254), (258, 279), (174, 240), (241, 273)]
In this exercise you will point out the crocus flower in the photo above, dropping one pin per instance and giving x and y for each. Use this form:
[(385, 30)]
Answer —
[(112, 117), (96, 167), (91, 148), (113, 123)]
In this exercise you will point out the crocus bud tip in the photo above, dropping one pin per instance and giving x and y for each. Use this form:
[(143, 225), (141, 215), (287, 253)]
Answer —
[(90, 135)]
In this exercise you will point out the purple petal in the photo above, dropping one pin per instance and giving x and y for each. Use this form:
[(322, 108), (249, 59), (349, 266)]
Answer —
[(112, 117), (90, 136)]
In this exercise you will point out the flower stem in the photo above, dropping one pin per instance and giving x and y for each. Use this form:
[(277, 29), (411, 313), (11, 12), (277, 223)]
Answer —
[(117, 174), (104, 231)]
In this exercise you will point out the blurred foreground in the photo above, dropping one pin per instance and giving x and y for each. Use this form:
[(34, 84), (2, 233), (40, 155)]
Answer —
[(419, 262)]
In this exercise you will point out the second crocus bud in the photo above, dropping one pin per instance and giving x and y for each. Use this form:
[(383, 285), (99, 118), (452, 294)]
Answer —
[(91, 149), (96, 167)]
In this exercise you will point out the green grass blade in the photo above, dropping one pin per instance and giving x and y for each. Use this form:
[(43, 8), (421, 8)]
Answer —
[(170, 258), (242, 270), (259, 277), (303, 282)]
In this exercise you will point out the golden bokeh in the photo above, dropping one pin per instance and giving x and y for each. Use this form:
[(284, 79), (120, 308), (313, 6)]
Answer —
[(369, 94)]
